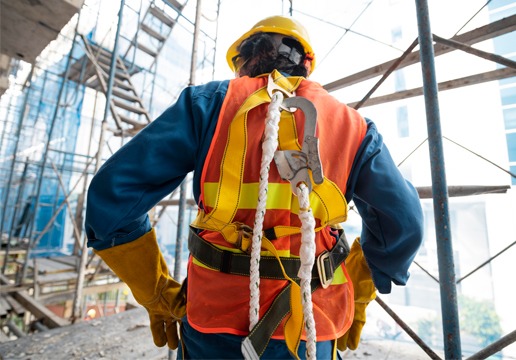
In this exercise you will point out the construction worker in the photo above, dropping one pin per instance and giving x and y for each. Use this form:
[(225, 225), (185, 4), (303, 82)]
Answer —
[(276, 160)]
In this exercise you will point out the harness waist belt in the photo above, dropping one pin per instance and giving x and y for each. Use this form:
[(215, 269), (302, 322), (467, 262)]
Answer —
[(239, 263)]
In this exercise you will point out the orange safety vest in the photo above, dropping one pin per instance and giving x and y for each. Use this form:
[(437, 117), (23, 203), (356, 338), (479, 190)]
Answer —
[(219, 302)]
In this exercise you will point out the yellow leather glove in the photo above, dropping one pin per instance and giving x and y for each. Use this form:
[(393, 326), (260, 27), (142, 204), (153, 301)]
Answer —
[(365, 292), (142, 267)]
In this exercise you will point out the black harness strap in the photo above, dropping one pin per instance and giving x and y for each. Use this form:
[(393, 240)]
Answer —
[(239, 263)]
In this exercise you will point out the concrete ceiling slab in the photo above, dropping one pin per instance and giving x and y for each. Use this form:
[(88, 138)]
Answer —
[(28, 26)]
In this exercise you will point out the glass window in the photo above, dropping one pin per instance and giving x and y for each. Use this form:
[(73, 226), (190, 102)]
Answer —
[(499, 3), (396, 34), (498, 15), (508, 81), (508, 96), (403, 124), (399, 80), (511, 146), (513, 171), (509, 116), (504, 44)]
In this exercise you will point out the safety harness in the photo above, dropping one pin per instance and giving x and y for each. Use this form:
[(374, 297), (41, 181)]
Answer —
[(293, 165)]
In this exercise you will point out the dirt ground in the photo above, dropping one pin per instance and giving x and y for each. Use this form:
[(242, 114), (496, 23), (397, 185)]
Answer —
[(126, 336)]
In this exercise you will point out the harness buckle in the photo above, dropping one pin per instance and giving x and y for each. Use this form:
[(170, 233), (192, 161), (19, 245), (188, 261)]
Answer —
[(272, 87), (244, 237), (325, 269)]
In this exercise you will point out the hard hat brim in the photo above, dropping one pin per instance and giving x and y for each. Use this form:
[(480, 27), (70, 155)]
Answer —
[(233, 49)]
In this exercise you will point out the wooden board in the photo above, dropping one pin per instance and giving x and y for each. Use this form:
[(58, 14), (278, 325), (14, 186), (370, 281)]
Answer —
[(16, 307), (5, 307), (56, 278), (47, 317), (48, 266), (69, 260)]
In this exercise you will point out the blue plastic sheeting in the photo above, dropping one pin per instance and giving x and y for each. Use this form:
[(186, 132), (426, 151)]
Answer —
[(35, 124)]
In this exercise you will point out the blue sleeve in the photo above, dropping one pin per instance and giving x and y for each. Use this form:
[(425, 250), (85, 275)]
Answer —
[(150, 166), (392, 218)]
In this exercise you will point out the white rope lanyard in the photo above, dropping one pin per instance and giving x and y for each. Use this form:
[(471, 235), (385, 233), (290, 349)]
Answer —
[(307, 250), (307, 254), (269, 146)]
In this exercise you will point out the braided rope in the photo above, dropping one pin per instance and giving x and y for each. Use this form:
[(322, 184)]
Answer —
[(269, 146), (307, 254)]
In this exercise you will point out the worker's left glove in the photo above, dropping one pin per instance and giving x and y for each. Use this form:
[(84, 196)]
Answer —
[(365, 292), (142, 267)]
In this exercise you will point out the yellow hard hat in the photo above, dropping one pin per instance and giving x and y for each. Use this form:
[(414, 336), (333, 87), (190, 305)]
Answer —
[(275, 24)]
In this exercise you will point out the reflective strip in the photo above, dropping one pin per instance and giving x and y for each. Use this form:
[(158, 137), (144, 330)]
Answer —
[(339, 277), (279, 196)]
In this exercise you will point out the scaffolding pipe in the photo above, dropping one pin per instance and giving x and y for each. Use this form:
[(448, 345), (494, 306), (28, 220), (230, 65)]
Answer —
[(17, 203), (76, 312), (391, 69), (4, 128), (77, 309), (495, 347), (448, 290), (408, 330), (81, 199), (114, 57), (45, 153), (109, 89), (172, 354), (216, 38), (10, 179), (153, 71), (183, 187), (471, 50)]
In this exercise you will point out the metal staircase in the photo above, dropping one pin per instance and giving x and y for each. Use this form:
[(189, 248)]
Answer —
[(127, 108), (92, 69), (155, 28)]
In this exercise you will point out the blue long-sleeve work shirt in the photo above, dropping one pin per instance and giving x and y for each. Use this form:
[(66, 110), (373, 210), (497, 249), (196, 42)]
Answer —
[(159, 157)]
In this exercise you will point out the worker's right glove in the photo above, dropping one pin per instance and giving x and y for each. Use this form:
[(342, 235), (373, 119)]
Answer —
[(365, 292), (142, 267)]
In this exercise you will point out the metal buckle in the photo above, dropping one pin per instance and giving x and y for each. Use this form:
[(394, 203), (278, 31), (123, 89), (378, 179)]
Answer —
[(324, 278), (273, 87), (245, 237)]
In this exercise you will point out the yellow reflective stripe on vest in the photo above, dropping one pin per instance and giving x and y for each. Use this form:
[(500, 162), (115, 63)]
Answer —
[(279, 196)]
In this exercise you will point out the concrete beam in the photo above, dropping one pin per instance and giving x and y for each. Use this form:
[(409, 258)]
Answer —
[(5, 65), (28, 26)]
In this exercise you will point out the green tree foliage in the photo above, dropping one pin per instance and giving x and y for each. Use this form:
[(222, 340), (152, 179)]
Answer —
[(479, 319)]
